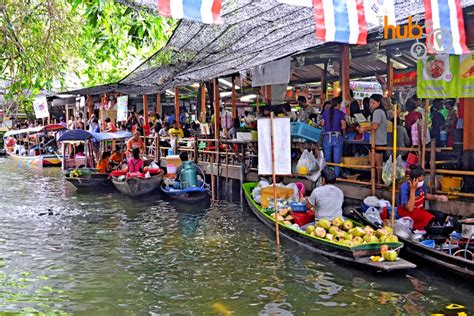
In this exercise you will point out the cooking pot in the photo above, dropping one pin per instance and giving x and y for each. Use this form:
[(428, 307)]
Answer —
[(467, 227), (439, 230)]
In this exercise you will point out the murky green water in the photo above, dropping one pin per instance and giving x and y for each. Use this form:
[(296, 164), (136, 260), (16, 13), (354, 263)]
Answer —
[(64, 251)]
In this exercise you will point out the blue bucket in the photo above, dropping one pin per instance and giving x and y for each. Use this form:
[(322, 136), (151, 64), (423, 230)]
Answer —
[(428, 243)]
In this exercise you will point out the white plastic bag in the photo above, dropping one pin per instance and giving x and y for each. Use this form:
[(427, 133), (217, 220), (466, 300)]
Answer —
[(373, 215), (403, 227), (147, 175), (153, 165), (387, 171), (315, 176), (306, 164)]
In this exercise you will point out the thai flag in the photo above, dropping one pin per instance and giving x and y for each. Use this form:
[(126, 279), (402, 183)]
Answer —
[(340, 21), (446, 28), (205, 11)]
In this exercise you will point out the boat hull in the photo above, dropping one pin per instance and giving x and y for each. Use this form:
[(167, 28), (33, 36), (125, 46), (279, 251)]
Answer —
[(95, 181), (135, 187), (328, 249), (41, 160), (450, 264), (191, 195)]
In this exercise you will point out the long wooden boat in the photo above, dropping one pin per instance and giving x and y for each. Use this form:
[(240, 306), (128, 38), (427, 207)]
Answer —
[(45, 160), (190, 195), (92, 182), (443, 261), (88, 180), (133, 187), (355, 256)]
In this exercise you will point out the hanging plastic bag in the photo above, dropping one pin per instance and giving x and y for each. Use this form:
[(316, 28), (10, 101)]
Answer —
[(403, 227), (306, 164), (373, 215), (401, 169), (387, 171), (315, 176)]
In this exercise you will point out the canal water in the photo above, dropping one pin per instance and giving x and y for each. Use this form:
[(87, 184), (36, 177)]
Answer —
[(100, 253)]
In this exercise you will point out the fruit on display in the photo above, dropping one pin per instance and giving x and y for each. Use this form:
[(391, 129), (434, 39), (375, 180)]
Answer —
[(347, 225), (368, 230), (357, 240), (324, 223), (390, 255), (309, 229), (380, 232), (391, 238), (330, 237), (333, 230), (372, 238), (357, 231), (338, 221), (320, 232), (389, 230)]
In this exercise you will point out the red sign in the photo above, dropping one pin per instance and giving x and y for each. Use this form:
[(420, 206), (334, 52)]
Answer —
[(407, 78)]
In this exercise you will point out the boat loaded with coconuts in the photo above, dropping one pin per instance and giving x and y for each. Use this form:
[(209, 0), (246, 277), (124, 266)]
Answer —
[(450, 255), (341, 239)]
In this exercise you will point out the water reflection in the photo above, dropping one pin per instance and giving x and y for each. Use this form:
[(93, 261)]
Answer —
[(63, 250)]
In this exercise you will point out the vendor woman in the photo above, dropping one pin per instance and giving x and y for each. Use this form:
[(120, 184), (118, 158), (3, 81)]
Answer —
[(412, 199)]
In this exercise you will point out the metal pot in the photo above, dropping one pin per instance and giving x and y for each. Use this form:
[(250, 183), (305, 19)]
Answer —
[(467, 228), (439, 230)]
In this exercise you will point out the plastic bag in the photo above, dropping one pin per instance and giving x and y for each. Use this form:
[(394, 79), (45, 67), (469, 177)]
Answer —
[(403, 227), (315, 176), (373, 215), (306, 164), (153, 165), (387, 170)]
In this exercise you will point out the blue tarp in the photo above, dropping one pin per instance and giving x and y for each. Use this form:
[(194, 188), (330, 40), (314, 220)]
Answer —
[(81, 135)]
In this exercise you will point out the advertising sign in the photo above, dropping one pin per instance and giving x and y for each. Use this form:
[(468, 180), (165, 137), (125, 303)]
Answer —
[(438, 76), (122, 108), (466, 76), (40, 105)]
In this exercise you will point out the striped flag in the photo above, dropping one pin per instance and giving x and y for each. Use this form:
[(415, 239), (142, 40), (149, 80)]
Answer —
[(205, 11), (340, 21), (447, 27)]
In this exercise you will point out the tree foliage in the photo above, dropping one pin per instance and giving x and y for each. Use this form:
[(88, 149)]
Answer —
[(46, 42)]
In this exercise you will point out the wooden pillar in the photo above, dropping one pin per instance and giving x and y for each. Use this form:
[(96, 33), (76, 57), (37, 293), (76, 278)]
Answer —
[(67, 116), (216, 109), (324, 84), (203, 103), (373, 170), (104, 100), (158, 104), (468, 131), (423, 133), (145, 109), (345, 74), (433, 166), (234, 99), (89, 106), (176, 105), (389, 77)]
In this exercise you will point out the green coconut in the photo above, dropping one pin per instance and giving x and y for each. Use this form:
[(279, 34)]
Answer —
[(347, 225), (338, 221), (324, 223)]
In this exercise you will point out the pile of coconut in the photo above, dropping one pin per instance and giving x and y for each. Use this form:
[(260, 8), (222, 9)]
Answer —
[(343, 232)]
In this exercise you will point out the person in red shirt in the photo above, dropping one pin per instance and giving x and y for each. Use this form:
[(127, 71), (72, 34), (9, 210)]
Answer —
[(110, 127), (412, 116), (135, 142), (103, 164)]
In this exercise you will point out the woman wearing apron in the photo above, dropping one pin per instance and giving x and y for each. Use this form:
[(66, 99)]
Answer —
[(413, 194)]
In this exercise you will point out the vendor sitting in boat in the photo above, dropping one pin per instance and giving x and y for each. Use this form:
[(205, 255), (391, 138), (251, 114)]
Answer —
[(412, 199), (117, 157), (135, 164), (135, 142), (327, 199), (103, 164)]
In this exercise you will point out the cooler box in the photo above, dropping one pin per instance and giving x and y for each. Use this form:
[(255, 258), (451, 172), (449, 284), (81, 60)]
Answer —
[(172, 163), (303, 218), (305, 131), (267, 194)]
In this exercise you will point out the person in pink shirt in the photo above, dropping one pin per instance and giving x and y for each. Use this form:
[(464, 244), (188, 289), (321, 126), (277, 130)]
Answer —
[(135, 164)]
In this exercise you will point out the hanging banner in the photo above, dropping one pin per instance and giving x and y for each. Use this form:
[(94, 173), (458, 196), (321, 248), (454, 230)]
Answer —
[(122, 108), (40, 105), (282, 146), (438, 76), (466, 76), (406, 78)]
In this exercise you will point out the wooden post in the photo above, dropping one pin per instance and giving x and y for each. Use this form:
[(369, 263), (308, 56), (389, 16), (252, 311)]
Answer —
[(324, 84), (423, 132), (90, 106), (196, 152), (275, 202), (67, 116), (104, 100), (394, 168), (176, 106), (389, 77), (468, 130), (216, 109), (234, 99), (432, 166), (345, 75), (203, 103), (373, 172), (212, 178), (157, 149), (158, 104)]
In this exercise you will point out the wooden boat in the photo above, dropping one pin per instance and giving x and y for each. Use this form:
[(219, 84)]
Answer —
[(134, 187), (89, 179), (52, 158), (190, 195), (414, 250), (355, 256)]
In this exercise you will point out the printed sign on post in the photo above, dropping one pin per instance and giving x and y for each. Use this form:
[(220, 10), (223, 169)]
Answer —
[(122, 108), (282, 146), (466, 76), (438, 76), (40, 105)]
